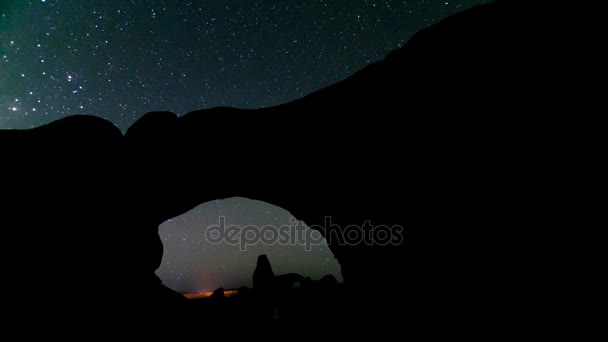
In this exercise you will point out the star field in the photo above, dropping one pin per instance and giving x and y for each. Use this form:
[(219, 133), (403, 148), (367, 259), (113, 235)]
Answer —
[(119, 59)]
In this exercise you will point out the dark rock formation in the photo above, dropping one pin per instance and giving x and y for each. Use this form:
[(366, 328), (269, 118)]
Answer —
[(429, 138), (243, 291), (263, 277), (218, 294), (265, 281), (328, 282), (288, 280)]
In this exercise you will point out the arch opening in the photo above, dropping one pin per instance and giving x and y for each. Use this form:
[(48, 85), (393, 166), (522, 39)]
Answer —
[(217, 244)]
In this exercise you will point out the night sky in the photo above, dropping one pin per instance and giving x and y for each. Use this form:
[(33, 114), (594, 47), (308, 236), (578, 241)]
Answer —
[(119, 59)]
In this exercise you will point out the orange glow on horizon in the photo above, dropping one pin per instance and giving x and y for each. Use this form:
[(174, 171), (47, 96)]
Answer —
[(227, 293)]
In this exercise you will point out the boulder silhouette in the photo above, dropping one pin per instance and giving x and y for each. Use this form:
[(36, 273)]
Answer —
[(243, 291), (328, 282), (289, 280), (218, 294)]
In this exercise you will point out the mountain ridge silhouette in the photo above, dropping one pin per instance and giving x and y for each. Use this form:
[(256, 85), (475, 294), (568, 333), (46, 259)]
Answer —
[(427, 138)]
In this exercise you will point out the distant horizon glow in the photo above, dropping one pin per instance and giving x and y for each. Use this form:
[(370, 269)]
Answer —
[(199, 295)]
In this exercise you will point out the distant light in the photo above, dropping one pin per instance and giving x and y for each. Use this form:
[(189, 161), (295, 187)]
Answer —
[(227, 293)]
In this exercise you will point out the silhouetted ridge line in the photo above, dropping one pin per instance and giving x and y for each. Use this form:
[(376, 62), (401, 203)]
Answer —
[(428, 139)]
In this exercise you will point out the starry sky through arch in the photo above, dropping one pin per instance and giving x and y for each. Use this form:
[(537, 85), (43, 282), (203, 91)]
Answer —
[(192, 264)]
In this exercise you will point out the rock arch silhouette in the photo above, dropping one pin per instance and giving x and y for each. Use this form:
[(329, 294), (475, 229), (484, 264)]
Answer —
[(411, 140)]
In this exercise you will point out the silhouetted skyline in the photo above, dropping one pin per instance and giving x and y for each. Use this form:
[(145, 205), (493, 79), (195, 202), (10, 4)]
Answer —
[(120, 59), (429, 140)]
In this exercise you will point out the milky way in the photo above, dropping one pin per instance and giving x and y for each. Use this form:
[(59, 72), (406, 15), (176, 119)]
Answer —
[(119, 59)]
